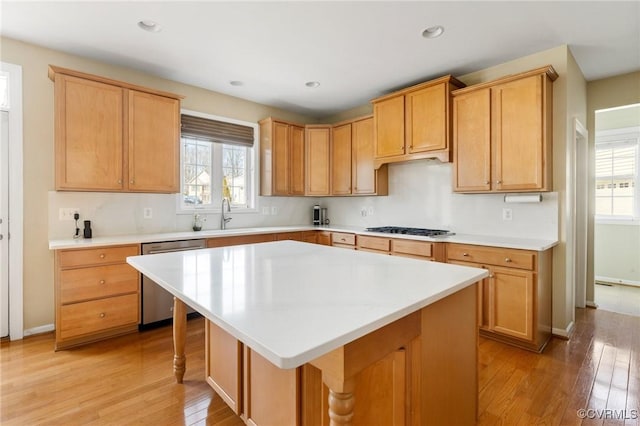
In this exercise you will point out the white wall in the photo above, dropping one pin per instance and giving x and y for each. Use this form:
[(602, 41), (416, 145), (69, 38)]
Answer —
[(420, 195), (617, 253), (121, 214)]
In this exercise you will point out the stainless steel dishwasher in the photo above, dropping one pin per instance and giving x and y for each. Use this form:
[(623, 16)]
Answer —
[(157, 303)]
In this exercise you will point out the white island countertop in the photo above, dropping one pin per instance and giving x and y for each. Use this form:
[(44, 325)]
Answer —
[(293, 302)]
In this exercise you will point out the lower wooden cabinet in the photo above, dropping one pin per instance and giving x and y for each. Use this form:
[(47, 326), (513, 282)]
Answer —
[(97, 295), (323, 237), (514, 302), (264, 395)]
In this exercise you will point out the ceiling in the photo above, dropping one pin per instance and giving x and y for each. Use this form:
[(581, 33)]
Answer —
[(356, 50)]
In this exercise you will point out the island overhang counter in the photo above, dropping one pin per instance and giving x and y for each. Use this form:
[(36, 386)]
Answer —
[(299, 304)]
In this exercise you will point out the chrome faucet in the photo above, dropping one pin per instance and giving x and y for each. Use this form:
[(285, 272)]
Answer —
[(224, 220)]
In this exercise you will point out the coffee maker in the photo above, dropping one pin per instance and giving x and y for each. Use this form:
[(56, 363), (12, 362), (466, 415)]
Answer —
[(316, 215)]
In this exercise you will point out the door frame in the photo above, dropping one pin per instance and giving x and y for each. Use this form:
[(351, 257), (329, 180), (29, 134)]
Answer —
[(577, 214), (16, 200)]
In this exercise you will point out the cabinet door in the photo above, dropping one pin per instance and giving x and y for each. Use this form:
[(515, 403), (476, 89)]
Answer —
[(483, 296), (154, 142), (88, 135), (426, 119), (272, 394), (317, 161), (223, 368), (518, 149), (296, 160), (388, 116), (280, 158), (363, 173), (472, 141), (341, 160), (511, 304)]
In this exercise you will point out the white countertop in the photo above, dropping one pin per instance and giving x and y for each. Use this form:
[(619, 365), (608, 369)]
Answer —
[(484, 240), (292, 302)]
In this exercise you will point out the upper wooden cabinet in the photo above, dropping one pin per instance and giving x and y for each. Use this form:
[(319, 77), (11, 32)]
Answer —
[(503, 134), (415, 122), (318, 160), (114, 136), (282, 158), (352, 162)]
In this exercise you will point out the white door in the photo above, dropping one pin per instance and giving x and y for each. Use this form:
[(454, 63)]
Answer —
[(4, 223)]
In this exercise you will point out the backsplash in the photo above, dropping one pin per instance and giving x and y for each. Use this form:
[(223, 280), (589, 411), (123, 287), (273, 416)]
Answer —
[(420, 195), (123, 213)]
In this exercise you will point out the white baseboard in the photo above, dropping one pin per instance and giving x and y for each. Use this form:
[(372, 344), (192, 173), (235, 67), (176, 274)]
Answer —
[(591, 304), (39, 330), (611, 280), (563, 332)]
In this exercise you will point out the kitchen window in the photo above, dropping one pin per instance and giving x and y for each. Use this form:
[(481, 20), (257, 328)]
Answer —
[(217, 161), (617, 160)]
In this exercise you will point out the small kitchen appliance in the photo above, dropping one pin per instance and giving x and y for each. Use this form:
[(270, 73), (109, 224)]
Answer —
[(316, 215)]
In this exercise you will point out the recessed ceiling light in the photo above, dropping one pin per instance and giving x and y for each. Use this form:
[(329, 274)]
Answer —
[(312, 84), (433, 32), (150, 26), (236, 83)]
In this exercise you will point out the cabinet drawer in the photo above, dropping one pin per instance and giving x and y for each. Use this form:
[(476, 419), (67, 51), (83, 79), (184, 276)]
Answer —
[(97, 282), (509, 258), (97, 315), (239, 240), (295, 236), (97, 256), (412, 248), (373, 243), (341, 238)]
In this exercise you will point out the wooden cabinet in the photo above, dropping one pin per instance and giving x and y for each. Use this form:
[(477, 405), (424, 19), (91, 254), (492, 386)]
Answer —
[(323, 238), (223, 367), (113, 136), (416, 249), (414, 122), (514, 302), (239, 240), (341, 160), (375, 244), (282, 158), (344, 240), (318, 160), (503, 134), (96, 294)]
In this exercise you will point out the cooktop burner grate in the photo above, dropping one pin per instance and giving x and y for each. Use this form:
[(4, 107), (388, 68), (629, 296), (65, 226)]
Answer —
[(410, 231)]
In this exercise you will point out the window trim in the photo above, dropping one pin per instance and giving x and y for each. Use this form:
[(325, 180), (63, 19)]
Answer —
[(254, 166), (620, 137)]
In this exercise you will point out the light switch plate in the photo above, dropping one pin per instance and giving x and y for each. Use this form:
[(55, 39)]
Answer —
[(148, 213), (507, 214), (66, 213)]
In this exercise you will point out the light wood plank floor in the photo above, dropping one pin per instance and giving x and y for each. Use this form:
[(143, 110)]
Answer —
[(128, 380)]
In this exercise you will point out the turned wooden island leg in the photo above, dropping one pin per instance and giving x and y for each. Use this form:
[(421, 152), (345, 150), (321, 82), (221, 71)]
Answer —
[(179, 338), (341, 400)]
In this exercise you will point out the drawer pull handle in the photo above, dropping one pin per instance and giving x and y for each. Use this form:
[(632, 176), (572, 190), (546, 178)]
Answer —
[(102, 256), (102, 281), (102, 315), (507, 259), (465, 254), (490, 275)]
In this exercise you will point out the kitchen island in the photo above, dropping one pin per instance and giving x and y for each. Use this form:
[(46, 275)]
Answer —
[(339, 313)]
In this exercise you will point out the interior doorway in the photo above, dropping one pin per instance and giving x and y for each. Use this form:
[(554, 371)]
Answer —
[(578, 211), (11, 201), (617, 209)]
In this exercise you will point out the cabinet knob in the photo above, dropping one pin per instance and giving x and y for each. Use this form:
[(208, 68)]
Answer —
[(465, 254), (102, 281), (119, 181), (498, 182), (102, 315), (102, 256), (487, 182), (132, 181), (490, 275), (507, 259)]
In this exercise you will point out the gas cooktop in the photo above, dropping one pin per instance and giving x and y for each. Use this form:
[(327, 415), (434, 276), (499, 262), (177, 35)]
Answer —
[(410, 231)]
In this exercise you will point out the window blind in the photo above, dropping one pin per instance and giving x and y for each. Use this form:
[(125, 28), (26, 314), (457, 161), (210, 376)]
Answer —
[(216, 131)]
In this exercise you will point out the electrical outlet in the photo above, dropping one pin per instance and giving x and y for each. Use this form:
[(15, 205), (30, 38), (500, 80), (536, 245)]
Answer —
[(148, 213), (370, 211), (274, 210), (363, 212), (265, 210), (507, 214), (67, 213)]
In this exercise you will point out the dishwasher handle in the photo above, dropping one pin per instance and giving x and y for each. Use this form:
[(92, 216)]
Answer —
[(172, 250)]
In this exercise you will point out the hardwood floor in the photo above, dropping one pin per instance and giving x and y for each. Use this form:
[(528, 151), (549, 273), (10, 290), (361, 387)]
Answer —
[(129, 380)]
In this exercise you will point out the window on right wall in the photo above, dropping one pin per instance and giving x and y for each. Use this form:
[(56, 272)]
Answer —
[(617, 163)]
